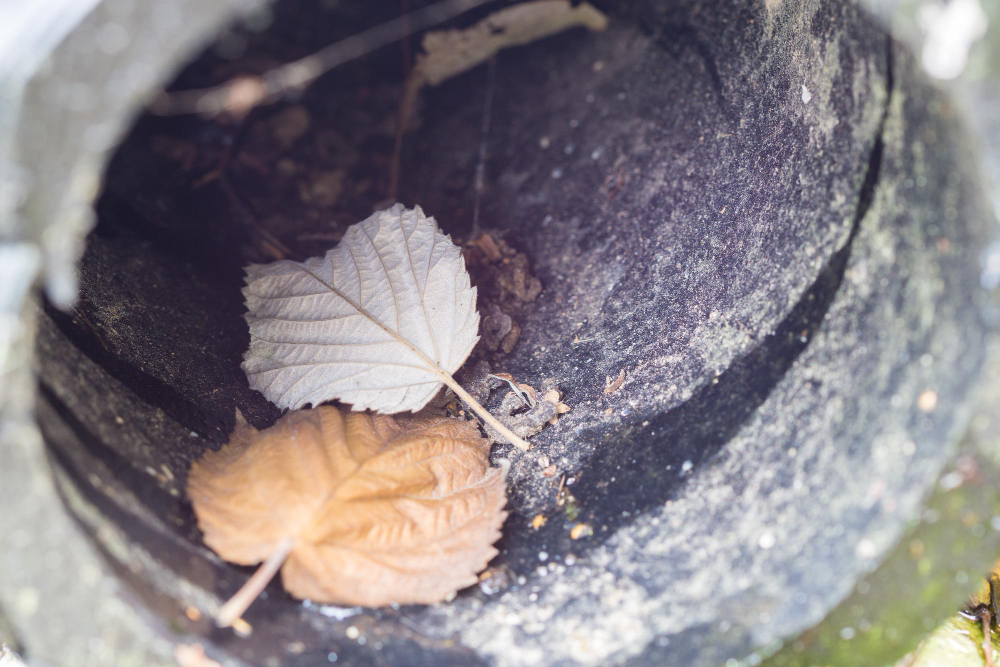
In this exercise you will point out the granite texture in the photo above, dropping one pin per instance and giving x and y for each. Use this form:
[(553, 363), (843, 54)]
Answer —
[(760, 212)]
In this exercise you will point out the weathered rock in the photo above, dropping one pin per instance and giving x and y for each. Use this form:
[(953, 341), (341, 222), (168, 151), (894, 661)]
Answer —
[(761, 215)]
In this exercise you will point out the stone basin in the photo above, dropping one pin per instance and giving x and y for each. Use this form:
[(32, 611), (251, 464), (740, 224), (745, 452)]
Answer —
[(759, 215)]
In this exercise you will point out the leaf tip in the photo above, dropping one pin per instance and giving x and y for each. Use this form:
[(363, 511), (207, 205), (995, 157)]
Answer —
[(242, 428)]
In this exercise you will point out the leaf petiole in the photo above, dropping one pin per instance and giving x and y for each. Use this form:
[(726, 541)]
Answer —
[(236, 605), (518, 442)]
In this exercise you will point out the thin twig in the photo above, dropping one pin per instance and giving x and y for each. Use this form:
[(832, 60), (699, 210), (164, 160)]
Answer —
[(407, 52), (243, 93), (236, 605), (987, 639), (219, 170), (90, 325), (270, 243), (408, 102), (483, 143)]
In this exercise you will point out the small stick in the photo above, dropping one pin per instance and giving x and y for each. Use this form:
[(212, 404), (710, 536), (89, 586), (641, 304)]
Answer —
[(97, 334), (243, 93), (271, 244), (987, 639), (483, 144), (219, 170), (407, 55), (411, 89), (233, 609)]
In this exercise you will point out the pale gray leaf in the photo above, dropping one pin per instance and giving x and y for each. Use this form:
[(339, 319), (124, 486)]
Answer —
[(379, 322)]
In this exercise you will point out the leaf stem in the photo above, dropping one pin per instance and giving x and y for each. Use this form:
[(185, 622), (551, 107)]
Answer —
[(987, 640), (518, 442), (238, 604)]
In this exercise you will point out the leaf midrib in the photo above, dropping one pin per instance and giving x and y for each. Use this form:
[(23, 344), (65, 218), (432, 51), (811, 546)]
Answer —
[(431, 365)]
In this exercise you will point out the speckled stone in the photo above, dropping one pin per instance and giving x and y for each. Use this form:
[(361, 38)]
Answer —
[(762, 215)]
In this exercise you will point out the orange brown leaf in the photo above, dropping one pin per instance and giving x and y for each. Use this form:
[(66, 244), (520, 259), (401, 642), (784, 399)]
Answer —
[(356, 509)]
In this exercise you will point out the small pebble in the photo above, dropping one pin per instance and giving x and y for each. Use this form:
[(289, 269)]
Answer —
[(927, 401), (767, 540)]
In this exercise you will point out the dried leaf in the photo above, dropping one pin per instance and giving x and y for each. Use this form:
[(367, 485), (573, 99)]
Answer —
[(374, 322), (367, 509), (451, 52), (193, 655), (448, 53), (380, 321)]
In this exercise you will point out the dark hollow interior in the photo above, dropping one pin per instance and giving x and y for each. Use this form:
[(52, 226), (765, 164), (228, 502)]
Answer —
[(144, 374)]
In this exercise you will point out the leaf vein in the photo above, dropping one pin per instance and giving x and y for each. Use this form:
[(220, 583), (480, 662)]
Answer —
[(392, 288), (416, 284)]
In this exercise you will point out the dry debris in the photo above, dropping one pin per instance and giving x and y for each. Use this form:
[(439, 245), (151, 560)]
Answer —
[(523, 422), (494, 579), (503, 272), (290, 125), (613, 385), (193, 655), (499, 330), (520, 410), (553, 396), (505, 282), (488, 247), (514, 280)]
